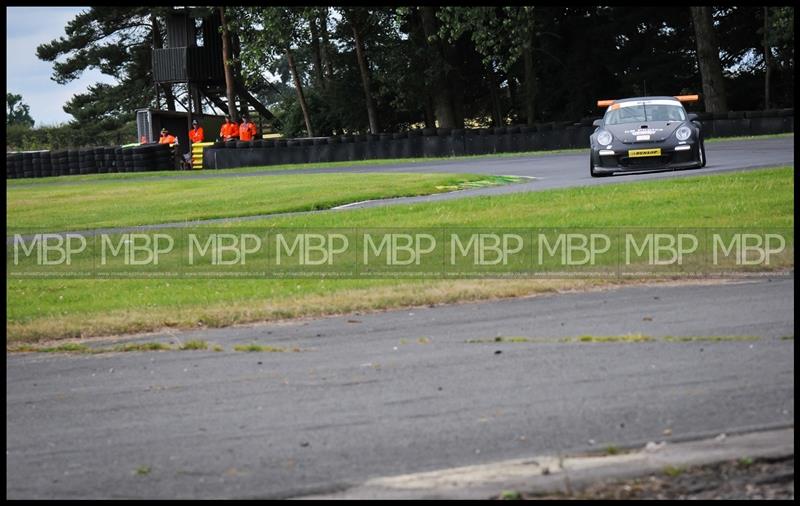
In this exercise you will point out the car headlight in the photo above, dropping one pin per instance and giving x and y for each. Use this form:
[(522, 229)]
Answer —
[(604, 137), (683, 133)]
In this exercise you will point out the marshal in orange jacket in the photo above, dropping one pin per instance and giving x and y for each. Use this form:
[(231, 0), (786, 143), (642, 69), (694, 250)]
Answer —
[(196, 135), (247, 131)]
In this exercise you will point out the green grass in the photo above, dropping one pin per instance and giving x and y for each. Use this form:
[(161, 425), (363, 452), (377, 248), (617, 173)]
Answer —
[(59, 308), (673, 471), (629, 338), (143, 470), (77, 348), (261, 348), (761, 198), (745, 462), (95, 205), (139, 347), (195, 344), (510, 495)]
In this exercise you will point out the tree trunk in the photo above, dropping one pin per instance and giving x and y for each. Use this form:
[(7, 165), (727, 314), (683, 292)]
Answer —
[(226, 56), (494, 96), (238, 80), (316, 53), (430, 116), (530, 83), (299, 88), (526, 14), (442, 97), (323, 31), (365, 81), (767, 59), (708, 60)]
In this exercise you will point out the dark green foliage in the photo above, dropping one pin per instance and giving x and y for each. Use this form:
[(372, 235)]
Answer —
[(578, 54), (17, 112)]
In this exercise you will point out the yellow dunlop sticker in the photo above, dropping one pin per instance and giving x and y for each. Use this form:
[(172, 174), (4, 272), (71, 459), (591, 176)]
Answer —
[(635, 153)]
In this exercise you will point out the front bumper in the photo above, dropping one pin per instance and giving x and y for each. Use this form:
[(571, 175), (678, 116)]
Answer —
[(617, 159)]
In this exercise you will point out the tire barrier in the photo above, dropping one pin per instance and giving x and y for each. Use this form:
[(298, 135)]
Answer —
[(45, 164), (13, 165), (419, 143), (73, 161), (96, 160)]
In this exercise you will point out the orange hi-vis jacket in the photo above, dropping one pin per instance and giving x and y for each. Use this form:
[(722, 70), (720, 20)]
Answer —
[(196, 134), (167, 139), (247, 131), (229, 131)]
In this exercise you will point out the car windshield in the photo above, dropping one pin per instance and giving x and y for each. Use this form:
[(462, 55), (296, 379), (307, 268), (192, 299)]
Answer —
[(644, 112)]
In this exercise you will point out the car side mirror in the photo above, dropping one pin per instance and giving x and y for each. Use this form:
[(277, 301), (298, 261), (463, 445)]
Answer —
[(692, 116), (597, 122)]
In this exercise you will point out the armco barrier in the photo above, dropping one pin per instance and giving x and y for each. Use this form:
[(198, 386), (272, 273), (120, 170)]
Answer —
[(412, 144)]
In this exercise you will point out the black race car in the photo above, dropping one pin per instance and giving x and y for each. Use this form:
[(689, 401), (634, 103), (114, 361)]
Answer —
[(646, 133)]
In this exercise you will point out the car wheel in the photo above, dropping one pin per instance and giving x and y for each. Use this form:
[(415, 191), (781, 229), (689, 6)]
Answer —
[(594, 173), (702, 153)]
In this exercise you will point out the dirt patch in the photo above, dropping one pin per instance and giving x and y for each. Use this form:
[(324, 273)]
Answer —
[(738, 479)]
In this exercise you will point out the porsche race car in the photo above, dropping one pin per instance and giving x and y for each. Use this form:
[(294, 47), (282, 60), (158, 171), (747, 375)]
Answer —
[(644, 134)]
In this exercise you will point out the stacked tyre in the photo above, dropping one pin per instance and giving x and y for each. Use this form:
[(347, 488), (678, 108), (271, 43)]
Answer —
[(27, 164), (60, 162), (86, 161), (144, 157), (119, 162), (141, 160), (127, 157), (99, 160), (36, 162), (46, 164), (110, 158), (163, 158), (73, 162), (11, 165)]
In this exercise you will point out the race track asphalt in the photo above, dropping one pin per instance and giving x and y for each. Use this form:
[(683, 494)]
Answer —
[(398, 392)]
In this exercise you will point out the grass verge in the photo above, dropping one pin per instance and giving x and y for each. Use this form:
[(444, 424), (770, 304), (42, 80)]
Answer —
[(95, 205), (62, 308)]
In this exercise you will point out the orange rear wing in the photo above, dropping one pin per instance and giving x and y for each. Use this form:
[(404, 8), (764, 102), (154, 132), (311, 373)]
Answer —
[(681, 98), (688, 98)]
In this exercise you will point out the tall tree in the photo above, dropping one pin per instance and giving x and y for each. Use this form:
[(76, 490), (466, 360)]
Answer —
[(767, 58), (357, 19), (270, 33), (442, 72), (316, 48), (502, 35), (708, 60), (117, 41), (18, 113), (230, 86)]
